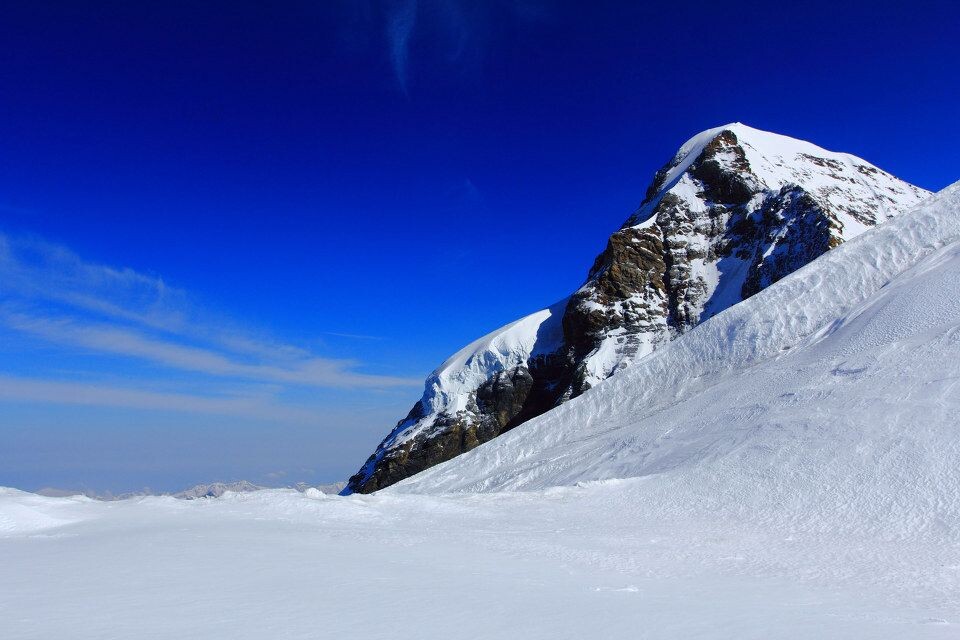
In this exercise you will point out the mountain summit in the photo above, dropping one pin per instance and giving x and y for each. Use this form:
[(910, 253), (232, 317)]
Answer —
[(735, 210)]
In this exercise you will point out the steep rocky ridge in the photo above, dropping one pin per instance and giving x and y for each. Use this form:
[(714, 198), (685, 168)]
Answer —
[(735, 210)]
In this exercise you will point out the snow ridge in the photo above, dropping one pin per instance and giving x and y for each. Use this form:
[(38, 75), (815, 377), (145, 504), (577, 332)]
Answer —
[(852, 358), (777, 161)]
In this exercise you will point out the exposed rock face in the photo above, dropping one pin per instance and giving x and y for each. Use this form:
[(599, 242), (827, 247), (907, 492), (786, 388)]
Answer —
[(734, 211), (507, 398)]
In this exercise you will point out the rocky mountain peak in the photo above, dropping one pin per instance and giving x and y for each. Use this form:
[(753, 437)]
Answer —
[(733, 211)]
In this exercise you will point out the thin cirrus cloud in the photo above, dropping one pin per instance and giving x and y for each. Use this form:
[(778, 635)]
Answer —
[(309, 371), (26, 389), (459, 32), (401, 20), (34, 270), (52, 295)]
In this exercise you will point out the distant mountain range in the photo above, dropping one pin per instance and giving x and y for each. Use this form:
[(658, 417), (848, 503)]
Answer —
[(211, 490), (734, 211)]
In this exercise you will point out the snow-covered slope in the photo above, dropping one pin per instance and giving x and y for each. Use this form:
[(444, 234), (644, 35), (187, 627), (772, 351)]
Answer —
[(608, 560), (735, 210), (448, 388), (837, 387)]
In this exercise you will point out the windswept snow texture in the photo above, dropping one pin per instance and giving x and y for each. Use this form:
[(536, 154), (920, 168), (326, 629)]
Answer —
[(838, 387), (587, 562), (827, 403)]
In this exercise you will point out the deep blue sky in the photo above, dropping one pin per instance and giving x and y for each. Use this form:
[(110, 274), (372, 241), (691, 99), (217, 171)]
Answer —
[(411, 173)]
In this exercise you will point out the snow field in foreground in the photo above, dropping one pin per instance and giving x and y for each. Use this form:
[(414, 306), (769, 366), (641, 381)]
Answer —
[(587, 561)]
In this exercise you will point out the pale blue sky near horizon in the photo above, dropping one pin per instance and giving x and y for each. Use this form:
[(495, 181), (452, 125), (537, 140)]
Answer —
[(234, 237)]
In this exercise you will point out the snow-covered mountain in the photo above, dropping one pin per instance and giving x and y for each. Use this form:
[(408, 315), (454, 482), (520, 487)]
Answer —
[(833, 390), (786, 469), (735, 210), (216, 489)]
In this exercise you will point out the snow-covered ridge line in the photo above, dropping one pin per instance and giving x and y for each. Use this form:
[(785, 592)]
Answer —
[(801, 309), (449, 386), (777, 161)]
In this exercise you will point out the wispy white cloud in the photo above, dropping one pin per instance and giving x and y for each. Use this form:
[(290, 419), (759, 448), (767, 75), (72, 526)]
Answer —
[(455, 33), (352, 336), (59, 392), (401, 19), (34, 269), (50, 293), (308, 371)]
